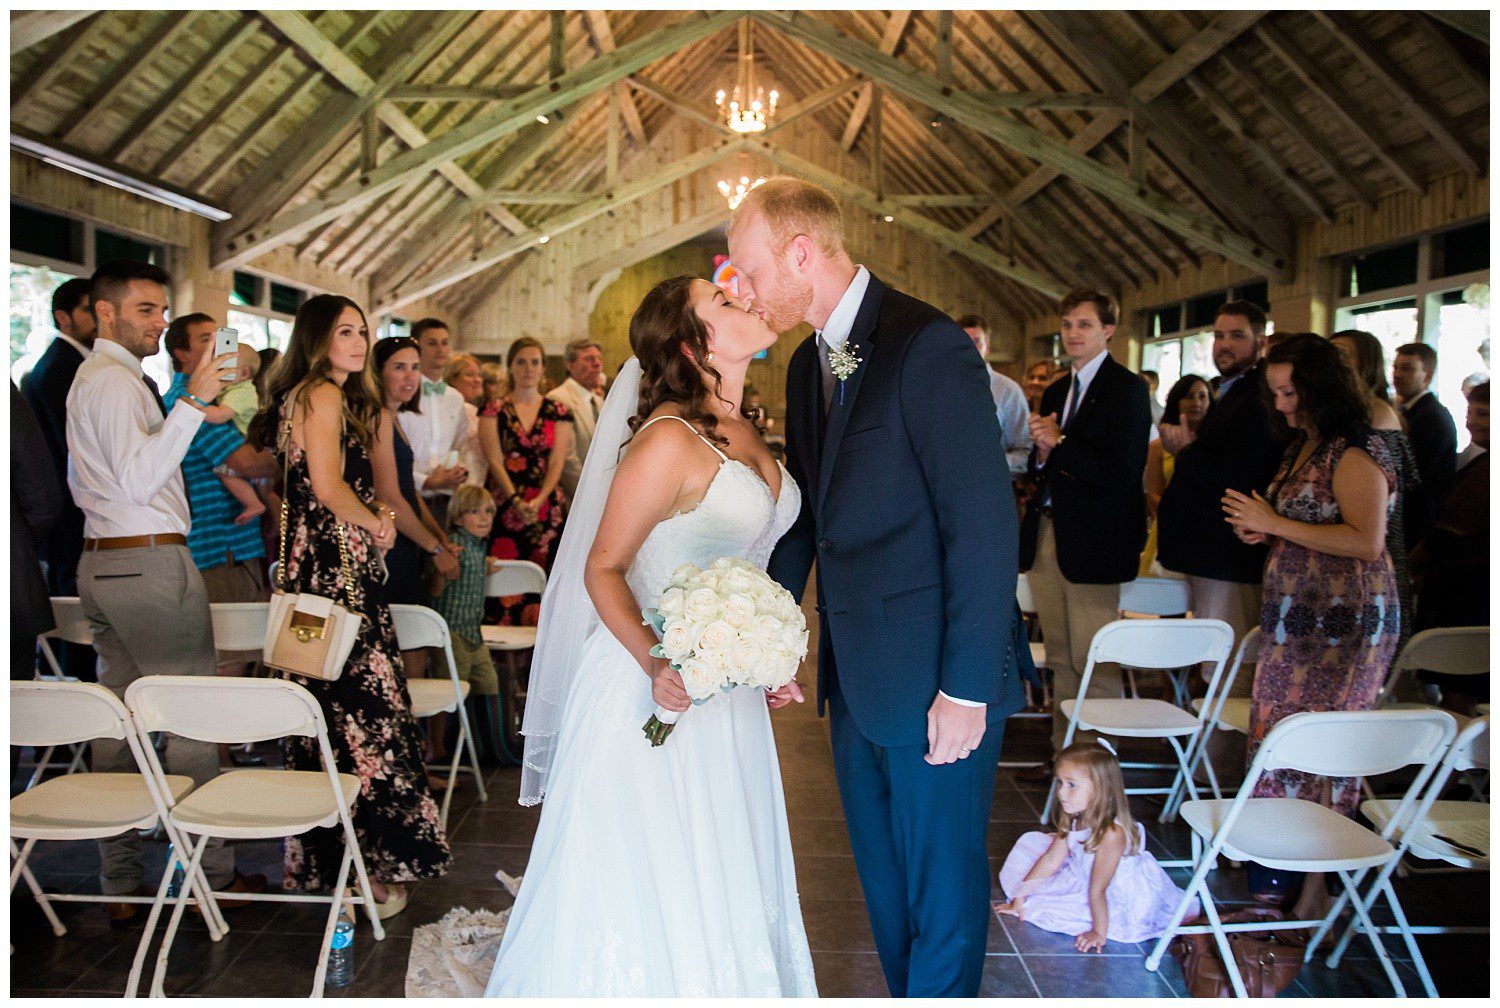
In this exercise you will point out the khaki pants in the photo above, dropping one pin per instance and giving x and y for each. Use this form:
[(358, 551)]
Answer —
[(1071, 614), (149, 616), (1239, 606)]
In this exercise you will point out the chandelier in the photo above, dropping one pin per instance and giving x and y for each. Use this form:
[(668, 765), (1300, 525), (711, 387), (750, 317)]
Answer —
[(747, 108), (735, 194)]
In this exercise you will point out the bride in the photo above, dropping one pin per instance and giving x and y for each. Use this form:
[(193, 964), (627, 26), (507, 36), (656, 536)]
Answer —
[(662, 871)]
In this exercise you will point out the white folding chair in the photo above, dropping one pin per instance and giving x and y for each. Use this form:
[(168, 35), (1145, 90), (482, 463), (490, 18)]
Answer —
[(512, 577), (89, 806), (249, 804), (1430, 832), (1151, 645), (1454, 651), (1026, 602), (240, 626), (421, 627), (1293, 834), (73, 627), (1230, 713), (1157, 598)]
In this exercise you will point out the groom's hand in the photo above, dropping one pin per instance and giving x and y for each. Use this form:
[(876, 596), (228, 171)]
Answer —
[(953, 730)]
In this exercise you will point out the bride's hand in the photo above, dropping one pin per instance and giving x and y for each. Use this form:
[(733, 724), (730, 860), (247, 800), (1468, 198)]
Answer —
[(667, 689), (781, 697)]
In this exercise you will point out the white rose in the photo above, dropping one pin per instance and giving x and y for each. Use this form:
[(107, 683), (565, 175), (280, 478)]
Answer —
[(794, 642), (737, 581), (747, 663), (677, 640), (670, 603), (715, 636), (766, 631), (700, 678), (683, 574), (739, 610), (700, 604)]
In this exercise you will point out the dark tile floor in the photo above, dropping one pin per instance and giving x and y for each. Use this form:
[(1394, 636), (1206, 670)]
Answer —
[(272, 948)]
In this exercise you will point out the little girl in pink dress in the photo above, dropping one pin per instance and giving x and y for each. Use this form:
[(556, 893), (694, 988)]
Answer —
[(1092, 876)]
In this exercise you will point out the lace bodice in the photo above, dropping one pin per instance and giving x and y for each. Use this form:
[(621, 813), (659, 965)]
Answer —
[(736, 518)]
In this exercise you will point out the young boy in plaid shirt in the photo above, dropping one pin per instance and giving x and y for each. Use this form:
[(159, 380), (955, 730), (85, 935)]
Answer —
[(470, 516)]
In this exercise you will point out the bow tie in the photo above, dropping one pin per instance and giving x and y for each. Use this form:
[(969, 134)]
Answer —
[(433, 387)]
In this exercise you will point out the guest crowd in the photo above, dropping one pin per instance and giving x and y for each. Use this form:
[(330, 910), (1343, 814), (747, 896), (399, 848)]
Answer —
[(1291, 491)]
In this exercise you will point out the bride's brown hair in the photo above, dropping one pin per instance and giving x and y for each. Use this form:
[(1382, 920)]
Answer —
[(660, 329)]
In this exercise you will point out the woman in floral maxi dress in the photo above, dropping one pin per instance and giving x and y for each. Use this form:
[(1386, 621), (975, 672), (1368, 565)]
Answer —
[(1331, 614), (367, 709), (526, 463)]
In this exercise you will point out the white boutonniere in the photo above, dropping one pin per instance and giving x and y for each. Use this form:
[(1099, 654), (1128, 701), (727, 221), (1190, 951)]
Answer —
[(843, 362)]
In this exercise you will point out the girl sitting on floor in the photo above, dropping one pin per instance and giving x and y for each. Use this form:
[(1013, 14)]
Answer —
[(1091, 876)]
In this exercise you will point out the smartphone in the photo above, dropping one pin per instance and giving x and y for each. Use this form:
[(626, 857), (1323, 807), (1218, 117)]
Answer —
[(226, 341)]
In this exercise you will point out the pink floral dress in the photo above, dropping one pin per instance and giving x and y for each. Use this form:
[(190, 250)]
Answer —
[(368, 709), (527, 452)]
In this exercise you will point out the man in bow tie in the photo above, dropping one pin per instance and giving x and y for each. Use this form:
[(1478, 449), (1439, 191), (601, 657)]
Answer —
[(437, 427)]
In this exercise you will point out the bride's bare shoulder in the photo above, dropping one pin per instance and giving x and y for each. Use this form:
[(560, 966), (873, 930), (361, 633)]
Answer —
[(658, 441)]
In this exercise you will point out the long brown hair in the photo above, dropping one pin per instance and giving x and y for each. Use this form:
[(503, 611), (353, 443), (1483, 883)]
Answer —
[(305, 363), (514, 350), (660, 329), (1110, 810)]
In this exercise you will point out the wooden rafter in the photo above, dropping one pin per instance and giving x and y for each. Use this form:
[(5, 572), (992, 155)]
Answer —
[(1333, 95), (512, 245), (890, 41), (1473, 23), (159, 37), (653, 243), (1374, 58), (597, 22), (29, 28), (1043, 148), (502, 121), (50, 67)]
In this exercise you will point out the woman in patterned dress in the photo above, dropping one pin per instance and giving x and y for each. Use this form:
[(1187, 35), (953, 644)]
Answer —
[(324, 419), (1331, 614), (527, 438)]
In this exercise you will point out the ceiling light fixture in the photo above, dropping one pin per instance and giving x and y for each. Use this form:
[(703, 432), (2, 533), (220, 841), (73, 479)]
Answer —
[(747, 108)]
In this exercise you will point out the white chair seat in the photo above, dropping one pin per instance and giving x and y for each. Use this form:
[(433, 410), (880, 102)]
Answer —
[(1464, 821), (1289, 833), (257, 804), (88, 806), (1233, 716), (508, 638), (433, 696), (1039, 654), (1135, 718)]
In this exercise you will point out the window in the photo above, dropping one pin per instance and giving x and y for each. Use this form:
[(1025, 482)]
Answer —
[(1433, 290), (44, 234), (263, 309), (394, 325), (31, 327), (109, 246), (1180, 339)]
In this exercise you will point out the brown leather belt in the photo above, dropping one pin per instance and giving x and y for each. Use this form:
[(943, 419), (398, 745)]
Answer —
[(135, 542)]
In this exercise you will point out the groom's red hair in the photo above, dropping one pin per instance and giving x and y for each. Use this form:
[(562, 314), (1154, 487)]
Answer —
[(792, 207)]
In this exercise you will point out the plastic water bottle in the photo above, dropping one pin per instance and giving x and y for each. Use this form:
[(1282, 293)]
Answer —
[(341, 953), (178, 874)]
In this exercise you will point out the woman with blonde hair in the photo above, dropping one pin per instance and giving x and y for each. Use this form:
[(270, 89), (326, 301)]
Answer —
[(325, 419), (466, 374)]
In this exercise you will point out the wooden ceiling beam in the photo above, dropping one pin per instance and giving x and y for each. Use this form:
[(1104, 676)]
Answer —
[(1473, 23), (1384, 69), (512, 245), (1048, 150), (1334, 96), (158, 38), (155, 113), (29, 28), (815, 102), (48, 69), (1446, 54), (890, 41), (455, 93), (597, 23), (238, 246), (661, 240)]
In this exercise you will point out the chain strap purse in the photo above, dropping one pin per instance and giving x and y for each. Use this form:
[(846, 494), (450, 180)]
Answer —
[(308, 635)]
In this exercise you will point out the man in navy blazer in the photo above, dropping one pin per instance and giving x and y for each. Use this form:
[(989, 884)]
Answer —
[(46, 391), (908, 510), (1086, 521)]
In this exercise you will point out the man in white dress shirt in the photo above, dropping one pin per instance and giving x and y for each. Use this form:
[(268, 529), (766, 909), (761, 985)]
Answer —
[(141, 592), (585, 360), (1011, 408), (436, 430)]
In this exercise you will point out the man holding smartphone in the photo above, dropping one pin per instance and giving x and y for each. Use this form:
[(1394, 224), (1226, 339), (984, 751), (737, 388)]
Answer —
[(142, 594)]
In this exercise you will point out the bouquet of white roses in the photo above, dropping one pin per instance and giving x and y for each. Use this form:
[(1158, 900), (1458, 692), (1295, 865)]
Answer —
[(727, 626)]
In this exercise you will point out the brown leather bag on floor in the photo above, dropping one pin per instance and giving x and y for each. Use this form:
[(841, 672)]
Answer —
[(1268, 960)]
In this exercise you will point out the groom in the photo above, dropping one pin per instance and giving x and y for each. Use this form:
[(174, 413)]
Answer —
[(907, 506)]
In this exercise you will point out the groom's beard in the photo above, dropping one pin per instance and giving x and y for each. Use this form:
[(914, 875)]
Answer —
[(786, 306)]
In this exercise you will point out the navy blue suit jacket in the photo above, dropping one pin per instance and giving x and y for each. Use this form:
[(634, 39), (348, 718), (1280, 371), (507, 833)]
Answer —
[(46, 391), (908, 509)]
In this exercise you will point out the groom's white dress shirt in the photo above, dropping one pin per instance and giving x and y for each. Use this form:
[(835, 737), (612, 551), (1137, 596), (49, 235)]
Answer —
[(834, 335)]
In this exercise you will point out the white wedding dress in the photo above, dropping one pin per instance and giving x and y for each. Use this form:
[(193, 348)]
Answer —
[(665, 871)]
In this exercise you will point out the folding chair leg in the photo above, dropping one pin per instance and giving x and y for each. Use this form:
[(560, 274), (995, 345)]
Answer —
[(189, 883), (458, 751), (1221, 939), (1067, 741), (351, 843), (21, 871), (1404, 926), (1362, 915), (1327, 926), (468, 731), (151, 921), (335, 907), (1196, 884), (1184, 780)]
